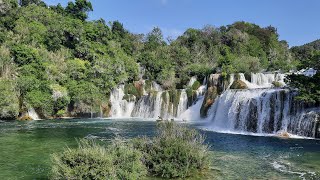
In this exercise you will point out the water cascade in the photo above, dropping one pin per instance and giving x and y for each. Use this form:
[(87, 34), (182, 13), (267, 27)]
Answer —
[(121, 107), (263, 108), (33, 114)]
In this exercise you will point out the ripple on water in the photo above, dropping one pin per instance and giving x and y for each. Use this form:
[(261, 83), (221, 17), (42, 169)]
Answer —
[(286, 167)]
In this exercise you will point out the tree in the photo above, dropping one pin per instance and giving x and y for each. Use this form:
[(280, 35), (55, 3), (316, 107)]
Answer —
[(28, 2), (154, 39), (118, 30), (79, 9), (7, 5), (9, 103)]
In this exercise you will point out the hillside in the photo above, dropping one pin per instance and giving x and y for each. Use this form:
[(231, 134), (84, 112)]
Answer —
[(56, 61)]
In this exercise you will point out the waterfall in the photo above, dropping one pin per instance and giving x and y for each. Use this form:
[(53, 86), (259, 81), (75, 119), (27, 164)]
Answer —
[(183, 103), (33, 114), (120, 107), (155, 86), (193, 79), (265, 80), (193, 112), (261, 111), (148, 106), (157, 104)]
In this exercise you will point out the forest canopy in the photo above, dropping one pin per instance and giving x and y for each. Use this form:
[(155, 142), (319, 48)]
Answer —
[(54, 59)]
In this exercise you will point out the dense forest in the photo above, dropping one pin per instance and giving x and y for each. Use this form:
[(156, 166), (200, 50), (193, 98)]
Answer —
[(53, 59)]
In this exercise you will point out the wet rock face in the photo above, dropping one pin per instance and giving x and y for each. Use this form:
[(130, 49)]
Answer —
[(209, 98), (216, 85), (317, 134), (238, 84)]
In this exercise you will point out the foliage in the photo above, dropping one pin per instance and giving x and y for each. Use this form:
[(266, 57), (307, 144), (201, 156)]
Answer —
[(9, 103), (176, 151), (309, 87), (196, 85), (41, 101), (45, 45), (93, 161), (308, 56), (79, 9)]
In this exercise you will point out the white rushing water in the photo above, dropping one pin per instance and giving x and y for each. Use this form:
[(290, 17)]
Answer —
[(260, 80), (120, 107), (261, 109), (33, 114), (192, 81)]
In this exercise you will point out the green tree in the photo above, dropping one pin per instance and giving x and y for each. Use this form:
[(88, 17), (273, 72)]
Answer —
[(9, 102), (79, 9)]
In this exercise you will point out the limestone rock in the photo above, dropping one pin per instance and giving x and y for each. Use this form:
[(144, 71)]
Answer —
[(238, 84)]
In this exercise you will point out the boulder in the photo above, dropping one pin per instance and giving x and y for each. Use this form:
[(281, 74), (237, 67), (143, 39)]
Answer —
[(209, 98), (277, 84), (25, 117), (238, 84), (283, 134)]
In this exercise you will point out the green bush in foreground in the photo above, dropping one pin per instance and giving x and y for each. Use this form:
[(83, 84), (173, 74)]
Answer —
[(176, 152), (93, 161)]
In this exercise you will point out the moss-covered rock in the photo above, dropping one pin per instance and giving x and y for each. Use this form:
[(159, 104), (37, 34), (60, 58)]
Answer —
[(192, 96), (196, 85), (238, 84), (129, 97), (135, 89), (25, 117), (106, 109), (209, 98), (277, 84)]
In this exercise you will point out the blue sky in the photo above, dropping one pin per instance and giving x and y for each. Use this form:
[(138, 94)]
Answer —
[(297, 21)]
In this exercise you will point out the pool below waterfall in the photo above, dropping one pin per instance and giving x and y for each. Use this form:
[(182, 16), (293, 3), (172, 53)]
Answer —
[(26, 147)]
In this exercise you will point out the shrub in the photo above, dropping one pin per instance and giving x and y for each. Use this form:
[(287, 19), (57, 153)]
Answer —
[(277, 84), (176, 151), (93, 161), (196, 85), (131, 89)]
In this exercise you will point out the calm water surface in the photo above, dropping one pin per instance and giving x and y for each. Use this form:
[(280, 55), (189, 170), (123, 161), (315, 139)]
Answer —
[(25, 149)]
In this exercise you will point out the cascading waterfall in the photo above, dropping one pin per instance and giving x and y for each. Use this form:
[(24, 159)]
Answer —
[(33, 114), (157, 103), (192, 81), (258, 109), (266, 80), (120, 107), (262, 110), (183, 103)]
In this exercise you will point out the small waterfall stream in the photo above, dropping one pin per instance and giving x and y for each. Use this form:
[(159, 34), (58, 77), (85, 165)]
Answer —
[(120, 107), (33, 114)]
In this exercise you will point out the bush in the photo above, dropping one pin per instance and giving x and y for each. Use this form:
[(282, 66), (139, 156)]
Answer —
[(93, 161), (196, 85), (176, 151)]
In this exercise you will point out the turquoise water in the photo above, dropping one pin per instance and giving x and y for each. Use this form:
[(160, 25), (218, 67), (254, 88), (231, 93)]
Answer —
[(26, 147)]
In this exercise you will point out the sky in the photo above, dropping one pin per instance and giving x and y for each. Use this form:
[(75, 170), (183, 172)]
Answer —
[(297, 21)]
